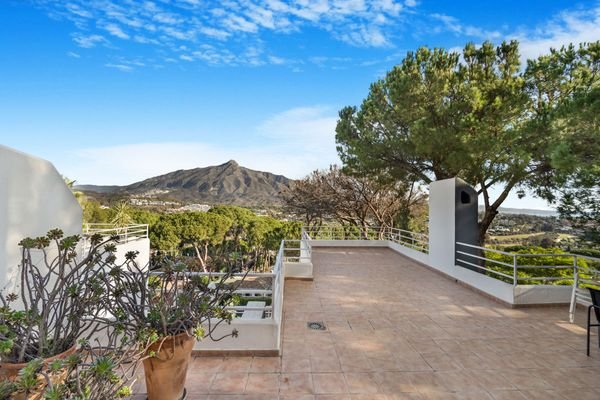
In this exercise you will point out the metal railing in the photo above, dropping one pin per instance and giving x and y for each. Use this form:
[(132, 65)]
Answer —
[(278, 285), (246, 293), (414, 240), (516, 268), (585, 276), (274, 293), (124, 233), (296, 251), (475, 257)]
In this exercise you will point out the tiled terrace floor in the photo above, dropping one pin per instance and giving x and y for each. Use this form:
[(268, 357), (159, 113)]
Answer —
[(396, 330)]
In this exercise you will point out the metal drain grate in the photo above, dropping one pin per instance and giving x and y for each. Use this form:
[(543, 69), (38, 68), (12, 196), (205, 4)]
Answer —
[(317, 326)]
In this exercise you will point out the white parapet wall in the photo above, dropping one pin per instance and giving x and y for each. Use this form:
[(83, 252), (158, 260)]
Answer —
[(33, 199), (542, 294), (298, 270), (254, 336), (141, 245)]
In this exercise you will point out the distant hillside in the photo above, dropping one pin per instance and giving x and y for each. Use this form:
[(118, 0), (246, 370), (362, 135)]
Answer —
[(222, 184), (525, 211)]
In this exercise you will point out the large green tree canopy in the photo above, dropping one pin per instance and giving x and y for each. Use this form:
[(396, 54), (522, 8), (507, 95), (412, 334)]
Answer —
[(477, 115)]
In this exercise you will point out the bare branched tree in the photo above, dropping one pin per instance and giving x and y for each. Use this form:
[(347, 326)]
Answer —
[(353, 200)]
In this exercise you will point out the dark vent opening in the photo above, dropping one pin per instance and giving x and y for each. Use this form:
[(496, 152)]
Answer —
[(465, 198)]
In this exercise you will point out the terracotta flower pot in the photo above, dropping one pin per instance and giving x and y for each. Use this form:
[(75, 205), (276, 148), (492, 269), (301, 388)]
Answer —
[(166, 371), (10, 371)]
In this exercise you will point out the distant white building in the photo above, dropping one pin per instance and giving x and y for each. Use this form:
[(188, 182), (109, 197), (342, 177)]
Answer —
[(193, 207)]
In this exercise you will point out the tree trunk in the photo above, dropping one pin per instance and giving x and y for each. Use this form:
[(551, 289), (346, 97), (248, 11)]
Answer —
[(202, 260), (488, 217)]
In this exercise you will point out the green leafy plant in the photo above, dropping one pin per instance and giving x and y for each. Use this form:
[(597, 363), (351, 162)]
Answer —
[(149, 304), (59, 292), (91, 374)]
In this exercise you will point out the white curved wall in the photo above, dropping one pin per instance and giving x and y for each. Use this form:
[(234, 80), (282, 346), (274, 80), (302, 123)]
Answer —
[(33, 200)]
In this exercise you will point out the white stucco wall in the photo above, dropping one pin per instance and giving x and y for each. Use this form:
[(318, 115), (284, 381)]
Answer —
[(33, 200), (542, 294), (441, 224), (142, 245), (253, 335), (412, 253), (300, 270)]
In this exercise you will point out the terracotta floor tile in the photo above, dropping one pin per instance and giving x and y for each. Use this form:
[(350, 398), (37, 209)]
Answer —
[(361, 383), (230, 383), (541, 394), (295, 364), (473, 395), (325, 364), (507, 395), (263, 383), (296, 383), (236, 364), (394, 382), (265, 364), (328, 383), (206, 364), (198, 382)]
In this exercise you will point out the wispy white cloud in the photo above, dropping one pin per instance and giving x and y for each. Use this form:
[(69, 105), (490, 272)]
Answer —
[(120, 67), (313, 126), (366, 36), (116, 30), (292, 143), (221, 32), (578, 26), (88, 41), (170, 23), (452, 24)]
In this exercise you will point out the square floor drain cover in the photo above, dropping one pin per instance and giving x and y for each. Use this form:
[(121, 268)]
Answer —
[(317, 326)]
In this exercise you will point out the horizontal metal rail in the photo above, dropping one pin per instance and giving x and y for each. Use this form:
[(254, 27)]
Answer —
[(124, 233), (489, 264), (484, 268), (585, 270), (219, 274), (415, 240)]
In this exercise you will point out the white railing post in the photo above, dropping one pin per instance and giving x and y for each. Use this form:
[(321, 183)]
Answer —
[(573, 304), (515, 276)]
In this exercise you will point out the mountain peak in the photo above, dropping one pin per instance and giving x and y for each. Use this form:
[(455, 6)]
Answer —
[(231, 163), (227, 183)]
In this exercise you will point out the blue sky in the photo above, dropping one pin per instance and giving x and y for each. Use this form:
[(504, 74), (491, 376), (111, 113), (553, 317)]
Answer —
[(116, 91)]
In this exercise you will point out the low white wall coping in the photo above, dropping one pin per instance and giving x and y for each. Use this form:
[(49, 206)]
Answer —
[(299, 270), (253, 335)]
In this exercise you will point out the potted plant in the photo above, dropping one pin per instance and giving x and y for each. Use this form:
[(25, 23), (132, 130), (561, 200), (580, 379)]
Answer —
[(58, 293), (93, 373), (166, 311)]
